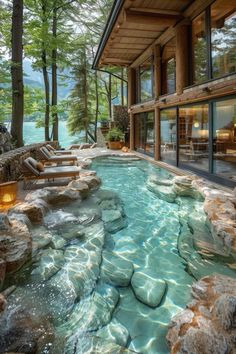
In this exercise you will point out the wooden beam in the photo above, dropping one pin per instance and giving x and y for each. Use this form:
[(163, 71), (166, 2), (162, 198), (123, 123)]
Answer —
[(131, 87), (149, 19), (117, 61), (121, 51), (196, 8), (157, 71), (157, 152), (127, 46), (182, 58), (131, 117), (155, 11)]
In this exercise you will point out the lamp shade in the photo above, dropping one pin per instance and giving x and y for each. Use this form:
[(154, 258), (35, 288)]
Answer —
[(8, 193)]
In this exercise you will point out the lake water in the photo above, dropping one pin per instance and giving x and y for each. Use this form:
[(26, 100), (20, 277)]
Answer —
[(36, 135)]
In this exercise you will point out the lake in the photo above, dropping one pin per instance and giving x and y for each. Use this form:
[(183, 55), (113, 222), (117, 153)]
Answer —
[(35, 135)]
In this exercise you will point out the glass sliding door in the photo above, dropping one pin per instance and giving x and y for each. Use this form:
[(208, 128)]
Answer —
[(224, 138), (168, 135), (144, 133), (194, 136)]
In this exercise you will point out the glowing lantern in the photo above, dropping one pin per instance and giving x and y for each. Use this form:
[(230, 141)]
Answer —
[(8, 193)]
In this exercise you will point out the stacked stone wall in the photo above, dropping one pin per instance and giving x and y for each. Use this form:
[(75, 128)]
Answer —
[(11, 161)]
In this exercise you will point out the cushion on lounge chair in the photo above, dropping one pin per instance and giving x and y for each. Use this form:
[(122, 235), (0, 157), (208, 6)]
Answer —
[(31, 164), (46, 154)]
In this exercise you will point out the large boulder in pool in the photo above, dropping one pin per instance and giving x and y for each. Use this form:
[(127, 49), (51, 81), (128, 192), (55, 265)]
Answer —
[(54, 195), (147, 287), (164, 192), (113, 220), (80, 187), (15, 245), (115, 269), (92, 181), (183, 186), (208, 321), (34, 210), (92, 344), (114, 332)]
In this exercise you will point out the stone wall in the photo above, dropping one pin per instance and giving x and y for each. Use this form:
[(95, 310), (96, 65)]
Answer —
[(11, 161), (5, 140), (120, 117)]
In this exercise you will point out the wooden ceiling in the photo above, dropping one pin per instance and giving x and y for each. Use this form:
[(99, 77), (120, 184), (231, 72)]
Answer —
[(138, 25)]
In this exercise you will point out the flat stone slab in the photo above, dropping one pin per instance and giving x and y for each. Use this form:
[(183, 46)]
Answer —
[(116, 270), (114, 332), (148, 288)]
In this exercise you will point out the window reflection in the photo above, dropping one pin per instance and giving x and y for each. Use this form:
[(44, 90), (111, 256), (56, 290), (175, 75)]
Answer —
[(146, 80), (168, 135), (199, 42), (224, 147), (194, 136), (144, 132), (223, 37), (168, 67)]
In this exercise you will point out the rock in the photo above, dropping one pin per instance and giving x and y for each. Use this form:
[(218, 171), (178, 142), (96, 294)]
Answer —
[(148, 288), (166, 193), (113, 220), (41, 237), (51, 261), (116, 270), (183, 187), (80, 187), (3, 303), (4, 223), (208, 325), (58, 218), (92, 181), (54, 195), (58, 242), (94, 311), (114, 332), (15, 246), (2, 270), (162, 182), (34, 210), (23, 333), (91, 345)]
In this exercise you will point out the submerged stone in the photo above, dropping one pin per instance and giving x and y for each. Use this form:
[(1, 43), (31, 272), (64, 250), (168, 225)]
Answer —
[(148, 288), (166, 193), (50, 263), (114, 332), (113, 220), (115, 269)]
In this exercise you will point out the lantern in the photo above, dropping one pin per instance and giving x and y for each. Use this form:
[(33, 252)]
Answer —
[(8, 193)]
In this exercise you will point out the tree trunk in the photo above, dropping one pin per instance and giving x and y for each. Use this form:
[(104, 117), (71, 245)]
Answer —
[(17, 74), (85, 98), (97, 106), (54, 76), (109, 93), (46, 80)]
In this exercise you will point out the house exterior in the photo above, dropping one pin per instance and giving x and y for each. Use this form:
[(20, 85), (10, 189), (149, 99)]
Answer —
[(181, 62)]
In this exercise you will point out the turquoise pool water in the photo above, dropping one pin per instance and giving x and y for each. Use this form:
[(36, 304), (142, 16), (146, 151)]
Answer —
[(77, 289)]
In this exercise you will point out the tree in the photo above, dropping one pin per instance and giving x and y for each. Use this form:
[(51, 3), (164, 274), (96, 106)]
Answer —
[(17, 73)]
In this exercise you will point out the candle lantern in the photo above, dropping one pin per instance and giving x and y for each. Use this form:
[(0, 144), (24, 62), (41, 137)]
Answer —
[(8, 192)]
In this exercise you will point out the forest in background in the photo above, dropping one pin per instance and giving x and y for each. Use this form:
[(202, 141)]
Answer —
[(58, 39)]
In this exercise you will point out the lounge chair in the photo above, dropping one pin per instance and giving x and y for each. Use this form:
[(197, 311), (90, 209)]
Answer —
[(47, 156), (34, 170), (83, 146), (58, 152)]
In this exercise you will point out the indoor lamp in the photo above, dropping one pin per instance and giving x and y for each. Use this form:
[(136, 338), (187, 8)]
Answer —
[(8, 193)]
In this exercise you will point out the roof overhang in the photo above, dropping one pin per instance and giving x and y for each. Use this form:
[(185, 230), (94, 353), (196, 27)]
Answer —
[(134, 26)]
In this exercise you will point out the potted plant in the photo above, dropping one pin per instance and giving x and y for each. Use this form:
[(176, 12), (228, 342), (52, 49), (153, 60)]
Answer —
[(114, 137)]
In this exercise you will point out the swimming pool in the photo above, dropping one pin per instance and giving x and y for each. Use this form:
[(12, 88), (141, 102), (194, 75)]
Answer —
[(110, 269)]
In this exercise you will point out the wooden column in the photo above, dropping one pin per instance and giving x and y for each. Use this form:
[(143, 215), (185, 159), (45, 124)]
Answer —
[(131, 87), (157, 154), (157, 71), (131, 131), (131, 101), (182, 58)]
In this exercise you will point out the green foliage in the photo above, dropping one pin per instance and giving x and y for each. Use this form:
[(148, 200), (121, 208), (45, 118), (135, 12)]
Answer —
[(115, 134)]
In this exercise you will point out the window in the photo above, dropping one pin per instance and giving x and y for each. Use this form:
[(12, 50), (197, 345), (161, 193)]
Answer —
[(169, 67), (214, 41), (194, 136), (168, 135), (224, 138), (199, 46), (223, 37), (144, 132), (146, 80)]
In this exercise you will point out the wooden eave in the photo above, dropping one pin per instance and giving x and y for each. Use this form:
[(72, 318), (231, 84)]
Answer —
[(137, 25)]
